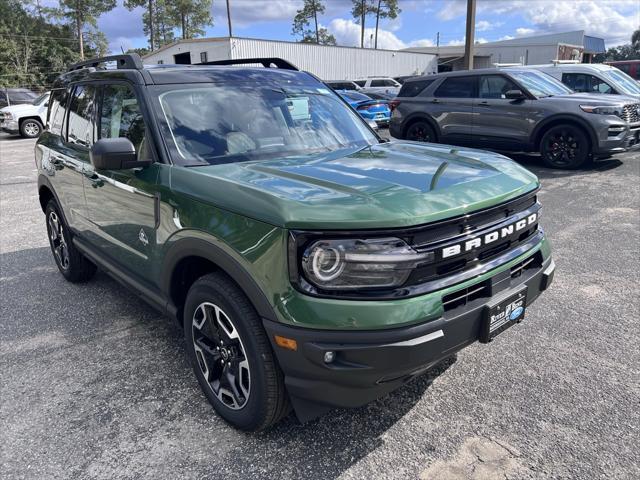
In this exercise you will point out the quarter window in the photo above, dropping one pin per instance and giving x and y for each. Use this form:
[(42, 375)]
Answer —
[(121, 116), (413, 89), (495, 86), (57, 106), (457, 87), (80, 129)]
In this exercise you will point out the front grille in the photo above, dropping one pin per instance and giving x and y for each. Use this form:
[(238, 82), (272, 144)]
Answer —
[(466, 295), (631, 113), (461, 231)]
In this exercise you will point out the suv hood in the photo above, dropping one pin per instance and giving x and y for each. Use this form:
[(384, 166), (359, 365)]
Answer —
[(395, 184), (20, 109)]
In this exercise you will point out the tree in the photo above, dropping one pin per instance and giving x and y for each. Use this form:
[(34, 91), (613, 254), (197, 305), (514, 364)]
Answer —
[(635, 39), (385, 9), (359, 11), (191, 16), (35, 51), (147, 17), (80, 13), (301, 24)]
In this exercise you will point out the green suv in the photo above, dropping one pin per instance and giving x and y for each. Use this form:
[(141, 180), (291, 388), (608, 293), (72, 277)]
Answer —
[(311, 263)]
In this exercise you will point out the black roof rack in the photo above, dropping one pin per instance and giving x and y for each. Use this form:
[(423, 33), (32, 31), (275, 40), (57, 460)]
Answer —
[(128, 60), (265, 62)]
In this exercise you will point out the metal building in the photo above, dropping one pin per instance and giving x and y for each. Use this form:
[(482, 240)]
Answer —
[(327, 62), (535, 50)]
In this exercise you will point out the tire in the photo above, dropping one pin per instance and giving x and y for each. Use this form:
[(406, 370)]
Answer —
[(73, 266), (231, 355), (30, 128), (420, 131), (565, 146)]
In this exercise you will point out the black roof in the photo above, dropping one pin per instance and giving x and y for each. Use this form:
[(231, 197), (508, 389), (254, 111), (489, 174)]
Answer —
[(130, 67)]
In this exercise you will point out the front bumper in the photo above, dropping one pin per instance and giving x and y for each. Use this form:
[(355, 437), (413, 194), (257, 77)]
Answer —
[(370, 364), (9, 126), (619, 138)]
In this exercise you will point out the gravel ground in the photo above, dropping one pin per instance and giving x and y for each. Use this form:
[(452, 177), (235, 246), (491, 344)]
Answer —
[(95, 384)]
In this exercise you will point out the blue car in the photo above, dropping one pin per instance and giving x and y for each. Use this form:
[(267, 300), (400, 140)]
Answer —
[(368, 108)]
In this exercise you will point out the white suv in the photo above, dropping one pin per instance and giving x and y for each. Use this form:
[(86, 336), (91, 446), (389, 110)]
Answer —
[(592, 78), (378, 84), (26, 119)]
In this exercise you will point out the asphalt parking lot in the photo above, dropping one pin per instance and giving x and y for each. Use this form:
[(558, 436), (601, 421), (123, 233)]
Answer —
[(95, 384)]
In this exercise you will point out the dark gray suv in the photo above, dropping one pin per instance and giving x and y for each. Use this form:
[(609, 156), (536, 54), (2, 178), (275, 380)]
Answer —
[(515, 110)]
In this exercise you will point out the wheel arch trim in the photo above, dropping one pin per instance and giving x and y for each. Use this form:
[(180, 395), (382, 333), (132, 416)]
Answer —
[(420, 116), (207, 249)]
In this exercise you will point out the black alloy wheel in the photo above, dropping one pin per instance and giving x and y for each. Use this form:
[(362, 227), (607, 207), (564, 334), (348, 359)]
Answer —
[(564, 146), (420, 132)]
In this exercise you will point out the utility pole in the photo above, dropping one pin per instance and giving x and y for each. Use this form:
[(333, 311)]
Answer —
[(469, 39), (229, 19)]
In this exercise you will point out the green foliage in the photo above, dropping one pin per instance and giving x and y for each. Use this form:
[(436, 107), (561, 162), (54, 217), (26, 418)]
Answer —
[(190, 16), (80, 14), (158, 23), (630, 51), (305, 24), (33, 51)]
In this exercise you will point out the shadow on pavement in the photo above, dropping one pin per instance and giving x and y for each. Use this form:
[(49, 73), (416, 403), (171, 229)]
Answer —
[(118, 369), (534, 163)]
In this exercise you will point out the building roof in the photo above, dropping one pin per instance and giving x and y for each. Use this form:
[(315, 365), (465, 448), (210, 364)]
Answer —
[(577, 38)]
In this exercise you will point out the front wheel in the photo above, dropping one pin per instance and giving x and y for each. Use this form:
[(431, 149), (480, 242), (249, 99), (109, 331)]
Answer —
[(30, 128), (420, 131), (565, 146), (231, 355), (71, 263)]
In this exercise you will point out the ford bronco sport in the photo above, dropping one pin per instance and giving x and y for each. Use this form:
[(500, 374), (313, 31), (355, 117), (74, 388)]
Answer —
[(310, 263)]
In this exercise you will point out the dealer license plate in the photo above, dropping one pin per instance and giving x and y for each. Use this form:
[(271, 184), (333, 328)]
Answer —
[(503, 314)]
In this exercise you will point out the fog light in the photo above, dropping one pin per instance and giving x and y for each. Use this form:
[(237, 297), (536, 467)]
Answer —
[(329, 357)]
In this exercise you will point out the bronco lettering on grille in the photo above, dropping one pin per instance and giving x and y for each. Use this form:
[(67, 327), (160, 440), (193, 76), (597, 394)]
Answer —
[(487, 238)]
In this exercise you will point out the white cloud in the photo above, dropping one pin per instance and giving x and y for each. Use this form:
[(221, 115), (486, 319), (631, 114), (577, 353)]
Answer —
[(613, 20), (506, 37), (250, 12), (347, 33), (425, 42), (522, 31), (485, 25)]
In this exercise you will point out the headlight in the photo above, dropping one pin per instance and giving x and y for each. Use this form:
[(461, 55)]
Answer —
[(360, 263), (7, 116), (602, 110)]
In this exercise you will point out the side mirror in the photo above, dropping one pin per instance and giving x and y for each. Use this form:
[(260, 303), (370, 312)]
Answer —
[(115, 154), (514, 95)]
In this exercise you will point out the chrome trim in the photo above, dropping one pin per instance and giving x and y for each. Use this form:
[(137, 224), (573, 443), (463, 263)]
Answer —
[(416, 341)]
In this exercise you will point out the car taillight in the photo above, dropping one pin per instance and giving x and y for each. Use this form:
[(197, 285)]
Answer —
[(369, 107), (393, 104)]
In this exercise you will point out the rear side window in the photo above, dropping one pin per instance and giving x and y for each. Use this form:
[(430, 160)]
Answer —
[(57, 107), (495, 86), (383, 83), (457, 87), (360, 83), (582, 82), (415, 88), (121, 117), (80, 129)]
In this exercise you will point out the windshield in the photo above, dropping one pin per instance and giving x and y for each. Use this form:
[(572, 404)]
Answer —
[(217, 124), (624, 82), (41, 99), (356, 97), (540, 84)]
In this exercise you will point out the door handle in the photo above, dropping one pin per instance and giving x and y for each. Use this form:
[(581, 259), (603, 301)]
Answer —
[(484, 104), (56, 160), (435, 100)]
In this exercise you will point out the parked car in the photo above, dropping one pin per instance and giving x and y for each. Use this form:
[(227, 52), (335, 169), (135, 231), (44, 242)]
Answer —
[(16, 96), (630, 67), (378, 84), (401, 79), (368, 108), (592, 78), (342, 85), (26, 119), (309, 262), (515, 110), (381, 96)]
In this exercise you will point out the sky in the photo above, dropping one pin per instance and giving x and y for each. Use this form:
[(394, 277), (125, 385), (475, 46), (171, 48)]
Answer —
[(417, 25)]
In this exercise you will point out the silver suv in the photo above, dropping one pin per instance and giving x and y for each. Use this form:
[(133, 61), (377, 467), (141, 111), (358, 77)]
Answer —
[(515, 110)]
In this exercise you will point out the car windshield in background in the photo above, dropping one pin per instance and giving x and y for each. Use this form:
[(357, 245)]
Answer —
[(224, 124), (355, 96), (540, 84), (624, 82), (41, 99)]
